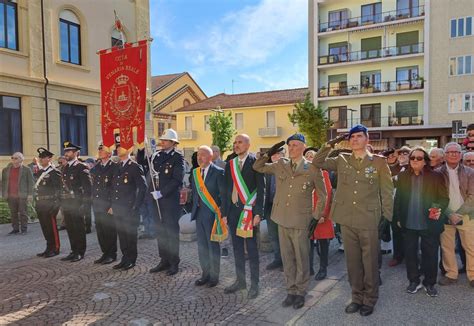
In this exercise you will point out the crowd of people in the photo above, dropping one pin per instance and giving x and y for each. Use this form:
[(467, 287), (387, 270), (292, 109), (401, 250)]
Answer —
[(419, 200)]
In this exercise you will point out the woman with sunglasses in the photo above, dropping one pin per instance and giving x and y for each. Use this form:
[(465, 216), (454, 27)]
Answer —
[(420, 203)]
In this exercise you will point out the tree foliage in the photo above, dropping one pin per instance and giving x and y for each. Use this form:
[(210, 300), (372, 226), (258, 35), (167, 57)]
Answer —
[(222, 129)]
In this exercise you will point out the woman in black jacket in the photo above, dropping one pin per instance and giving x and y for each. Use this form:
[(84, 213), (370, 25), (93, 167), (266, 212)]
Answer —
[(420, 202)]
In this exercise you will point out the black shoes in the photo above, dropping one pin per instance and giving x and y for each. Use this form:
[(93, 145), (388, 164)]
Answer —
[(274, 265), (413, 287), (321, 274), (128, 266), (253, 292), (353, 308), (100, 260), (49, 254), (299, 302), (14, 232), (41, 254), (69, 257), (237, 286), (290, 299), (162, 266), (212, 283), (76, 258), (120, 265), (172, 270), (431, 291), (108, 260), (366, 310), (202, 281)]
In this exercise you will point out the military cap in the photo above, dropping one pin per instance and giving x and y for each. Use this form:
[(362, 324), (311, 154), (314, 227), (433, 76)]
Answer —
[(310, 149), (296, 136), (68, 146), (358, 128), (43, 153), (388, 152)]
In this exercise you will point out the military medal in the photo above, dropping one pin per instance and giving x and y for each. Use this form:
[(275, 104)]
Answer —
[(166, 171), (106, 180), (125, 180)]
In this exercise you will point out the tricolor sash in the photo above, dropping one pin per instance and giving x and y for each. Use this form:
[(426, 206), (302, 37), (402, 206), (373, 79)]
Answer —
[(245, 225), (219, 229)]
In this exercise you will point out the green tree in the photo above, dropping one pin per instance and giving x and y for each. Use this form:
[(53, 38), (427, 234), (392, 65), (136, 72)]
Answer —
[(312, 121), (222, 129)]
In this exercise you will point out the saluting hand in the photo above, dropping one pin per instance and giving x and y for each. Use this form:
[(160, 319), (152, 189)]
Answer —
[(337, 140), (275, 148)]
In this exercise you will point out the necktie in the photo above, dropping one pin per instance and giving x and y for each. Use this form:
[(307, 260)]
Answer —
[(293, 166), (203, 174), (235, 195)]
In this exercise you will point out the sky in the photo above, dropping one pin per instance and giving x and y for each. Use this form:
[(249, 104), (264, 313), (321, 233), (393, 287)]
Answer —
[(260, 44)]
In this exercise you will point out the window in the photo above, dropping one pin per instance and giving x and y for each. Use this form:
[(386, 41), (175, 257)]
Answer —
[(370, 115), (338, 19), (406, 109), (70, 37), (117, 38), (338, 116), (8, 25), (370, 47), (206, 123), (408, 78), (271, 123), (408, 8), (186, 102), (338, 52), (10, 125), (407, 43), (73, 123), (239, 121), (161, 128), (459, 103), (462, 65), (461, 27), (372, 13), (371, 79), (337, 85), (188, 123)]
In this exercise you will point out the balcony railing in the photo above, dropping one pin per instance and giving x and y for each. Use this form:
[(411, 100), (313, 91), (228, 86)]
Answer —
[(383, 87), (391, 51), (269, 132), (392, 121), (383, 17), (187, 134)]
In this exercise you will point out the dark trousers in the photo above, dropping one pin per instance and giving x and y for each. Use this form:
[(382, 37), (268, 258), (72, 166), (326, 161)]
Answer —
[(106, 233), (397, 240), (88, 217), (239, 249), (18, 213), (429, 255), (75, 227), (209, 251), (272, 228), (147, 211), (47, 218), (126, 226), (323, 253), (168, 234)]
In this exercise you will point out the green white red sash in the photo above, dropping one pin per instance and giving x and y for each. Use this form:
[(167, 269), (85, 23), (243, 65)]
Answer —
[(219, 229), (245, 225)]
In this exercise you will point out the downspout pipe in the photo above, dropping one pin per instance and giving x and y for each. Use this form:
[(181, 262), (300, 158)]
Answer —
[(45, 76)]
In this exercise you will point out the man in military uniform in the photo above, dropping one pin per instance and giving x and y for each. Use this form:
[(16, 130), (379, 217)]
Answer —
[(47, 194), (128, 191), (167, 168), (364, 195), (76, 195), (102, 175), (295, 180)]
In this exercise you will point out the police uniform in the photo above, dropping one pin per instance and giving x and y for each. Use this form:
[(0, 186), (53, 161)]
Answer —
[(102, 176), (364, 194), (47, 197), (76, 195), (167, 168), (128, 192)]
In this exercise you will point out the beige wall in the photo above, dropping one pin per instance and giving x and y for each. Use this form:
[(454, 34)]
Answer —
[(21, 72)]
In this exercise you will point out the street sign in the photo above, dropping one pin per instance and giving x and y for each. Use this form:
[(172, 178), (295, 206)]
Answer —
[(457, 125)]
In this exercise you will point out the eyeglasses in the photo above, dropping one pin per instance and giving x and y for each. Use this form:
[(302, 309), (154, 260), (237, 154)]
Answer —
[(404, 153), (470, 148), (418, 158), (470, 135), (468, 161), (15, 158), (453, 153)]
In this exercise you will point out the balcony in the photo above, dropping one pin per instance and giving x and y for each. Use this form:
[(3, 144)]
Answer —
[(363, 21), (380, 122), (187, 134), (393, 51), (269, 132), (383, 87)]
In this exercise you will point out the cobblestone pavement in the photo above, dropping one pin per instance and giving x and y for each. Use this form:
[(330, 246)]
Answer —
[(38, 291)]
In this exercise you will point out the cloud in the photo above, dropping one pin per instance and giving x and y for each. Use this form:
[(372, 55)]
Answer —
[(161, 18), (249, 36)]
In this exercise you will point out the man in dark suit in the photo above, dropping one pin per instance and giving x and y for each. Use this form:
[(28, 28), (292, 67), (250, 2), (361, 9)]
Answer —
[(167, 168), (128, 192), (75, 197), (244, 204), (205, 215), (47, 192), (102, 175)]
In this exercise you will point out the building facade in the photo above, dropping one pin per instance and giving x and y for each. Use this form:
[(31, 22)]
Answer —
[(386, 64), (262, 115), (170, 93), (46, 99)]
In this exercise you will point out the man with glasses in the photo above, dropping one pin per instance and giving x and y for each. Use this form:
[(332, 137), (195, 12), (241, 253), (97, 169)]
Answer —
[(17, 187), (460, 212)]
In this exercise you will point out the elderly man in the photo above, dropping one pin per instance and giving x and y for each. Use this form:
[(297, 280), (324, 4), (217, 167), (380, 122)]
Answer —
[(207, 186), (17, 187), (242, 208), (460, 183), (216, 157), (436, 157), (292, 210), (364, 196), (468, 159)]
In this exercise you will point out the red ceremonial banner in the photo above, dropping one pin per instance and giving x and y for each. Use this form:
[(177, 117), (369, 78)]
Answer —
[(123, 77)]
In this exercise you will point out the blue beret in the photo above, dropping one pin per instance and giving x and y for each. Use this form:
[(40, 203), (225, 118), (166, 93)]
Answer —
[(358, 128), (296, 136)]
